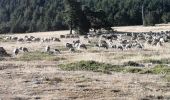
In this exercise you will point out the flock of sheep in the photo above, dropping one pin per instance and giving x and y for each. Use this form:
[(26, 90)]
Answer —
[(120, 41), (125, 41)]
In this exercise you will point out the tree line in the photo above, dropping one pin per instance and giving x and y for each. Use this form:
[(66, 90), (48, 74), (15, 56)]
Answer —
[(20, 16)]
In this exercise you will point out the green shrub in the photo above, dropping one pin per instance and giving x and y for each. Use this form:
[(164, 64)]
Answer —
[(161, 69), (132, 63), (133, 70), (91, 66)]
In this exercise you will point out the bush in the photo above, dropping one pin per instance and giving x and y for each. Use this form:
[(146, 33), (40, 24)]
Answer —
[(132, 63), (91, 66), (133, 70), (161, 69)]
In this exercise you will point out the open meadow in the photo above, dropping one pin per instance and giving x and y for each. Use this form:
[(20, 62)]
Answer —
[(51, 70)]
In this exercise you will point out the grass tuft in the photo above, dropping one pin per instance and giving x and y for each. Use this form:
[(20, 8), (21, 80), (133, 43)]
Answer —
[(33, 56)]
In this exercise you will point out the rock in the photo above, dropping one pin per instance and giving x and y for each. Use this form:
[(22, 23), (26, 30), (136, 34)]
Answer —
[(3, 52)]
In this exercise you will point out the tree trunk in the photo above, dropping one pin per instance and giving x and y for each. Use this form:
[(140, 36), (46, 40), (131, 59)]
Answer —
[(143, 15), (71, 28)]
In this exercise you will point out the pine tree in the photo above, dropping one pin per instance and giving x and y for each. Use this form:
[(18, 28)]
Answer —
[(71, 15), (75, 17)]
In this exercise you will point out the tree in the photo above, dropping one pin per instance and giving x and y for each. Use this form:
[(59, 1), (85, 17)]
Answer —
[(71, 14), (97, 19), (75, 17)]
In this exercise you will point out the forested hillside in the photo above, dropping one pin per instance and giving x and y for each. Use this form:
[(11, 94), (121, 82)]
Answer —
[(48, 15)]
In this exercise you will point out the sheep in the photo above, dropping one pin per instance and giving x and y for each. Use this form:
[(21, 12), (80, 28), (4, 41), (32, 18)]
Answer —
[(139, 46), (72, 50), (36, 39), (16, 51), (103, 44), (68, 45), (120, 47), (62, 36), (56, 40), (20, 40), (47, 49), (25, 49), (114, 46), (128, 46), (162, 40), (77, 41), (3, 52), (83, 46), (159, 44), (20, 48), (14, 38), (57, 51)]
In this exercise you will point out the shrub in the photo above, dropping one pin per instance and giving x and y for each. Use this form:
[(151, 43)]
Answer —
[(132, 63), (91, 66)]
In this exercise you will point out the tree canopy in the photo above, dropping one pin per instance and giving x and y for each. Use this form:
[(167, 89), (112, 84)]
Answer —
[(49, 15)]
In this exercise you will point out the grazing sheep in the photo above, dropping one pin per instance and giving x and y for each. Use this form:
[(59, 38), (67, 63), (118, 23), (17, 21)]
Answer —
[(20, 48), (36, 39), (16, 51), (159, 44), (25, 49), (75, 42), (128, 46), (3, 52), (114, 46), (25, 36), (72, 50), (83, 46), (67, 36), (47, 49), (162, 40), (62, 36), (32, 37), (20, 40), (15, 38), (68, 45), (103, 44), (149, 41), (57, 51), (86, 37), (139, 46), (56, 40), (120, 47), (28, 39)]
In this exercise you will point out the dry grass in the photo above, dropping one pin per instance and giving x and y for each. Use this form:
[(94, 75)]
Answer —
[(36, 76), (156, 28)]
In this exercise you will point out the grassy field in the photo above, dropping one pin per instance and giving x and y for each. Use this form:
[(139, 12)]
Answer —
[(92, 74)]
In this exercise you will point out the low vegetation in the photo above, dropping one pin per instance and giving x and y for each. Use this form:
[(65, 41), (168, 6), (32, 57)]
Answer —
[(54, 80), (91, 66), (154, 61), (132, 63), (108, 68), (33, 56)]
